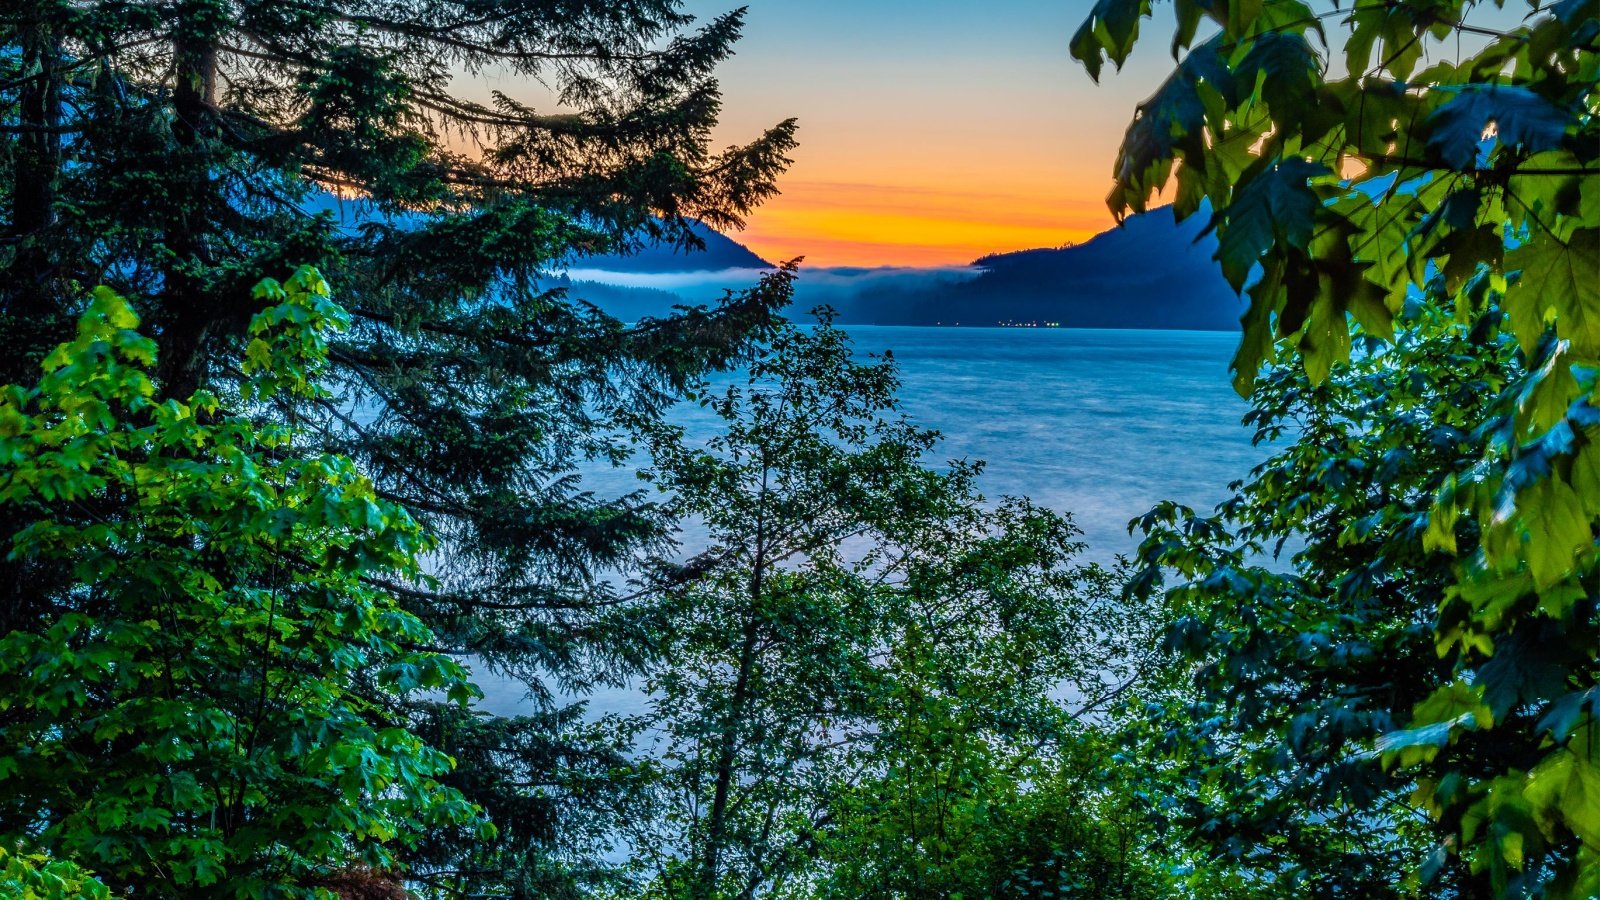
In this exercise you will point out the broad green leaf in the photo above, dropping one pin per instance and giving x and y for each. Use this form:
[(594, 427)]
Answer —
[(1558, 530), (1257, 343), (1276, 207), (1560, 285), (1286, 72), (1565, 787), (1168, 125), (1110, 31), (1521, 119)]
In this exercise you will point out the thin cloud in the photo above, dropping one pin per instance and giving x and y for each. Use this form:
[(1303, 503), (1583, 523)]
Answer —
[(834, 285)]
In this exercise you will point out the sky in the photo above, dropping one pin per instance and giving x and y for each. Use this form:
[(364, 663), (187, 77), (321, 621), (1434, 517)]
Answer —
[(932, 132)]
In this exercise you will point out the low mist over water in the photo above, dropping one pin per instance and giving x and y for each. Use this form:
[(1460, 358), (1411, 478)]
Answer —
[(1098, 423)]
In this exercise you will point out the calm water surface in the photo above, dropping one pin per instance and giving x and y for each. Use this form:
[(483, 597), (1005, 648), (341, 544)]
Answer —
[(1101, 424), (1098, 423)]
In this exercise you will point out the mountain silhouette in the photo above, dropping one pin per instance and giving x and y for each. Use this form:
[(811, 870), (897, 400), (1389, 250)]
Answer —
[(721, 252), (1151, 272)]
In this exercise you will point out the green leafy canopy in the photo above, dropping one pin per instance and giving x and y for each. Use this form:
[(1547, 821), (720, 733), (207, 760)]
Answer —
[(210, 706), (1441, 191)]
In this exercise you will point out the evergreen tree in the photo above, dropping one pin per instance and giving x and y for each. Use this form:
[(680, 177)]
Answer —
[(179, 152)]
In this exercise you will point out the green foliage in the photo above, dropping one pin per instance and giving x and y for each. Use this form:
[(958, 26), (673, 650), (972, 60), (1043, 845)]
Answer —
[(1250, 117), (209, 706), (855, 696), (182, 151), (1274, 208), (960, 801), (38, 877), (1461, 195), (553, 787), (1520, 118), (1297, 674)]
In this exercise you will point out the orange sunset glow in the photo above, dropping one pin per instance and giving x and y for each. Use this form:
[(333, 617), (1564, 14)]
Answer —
[(844, 224), (927, 139)]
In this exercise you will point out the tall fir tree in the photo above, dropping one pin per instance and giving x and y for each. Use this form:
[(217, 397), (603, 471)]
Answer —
[(179, 152)]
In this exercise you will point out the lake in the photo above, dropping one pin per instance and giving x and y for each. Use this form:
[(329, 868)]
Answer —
[(1098, 423), (1101, 424)]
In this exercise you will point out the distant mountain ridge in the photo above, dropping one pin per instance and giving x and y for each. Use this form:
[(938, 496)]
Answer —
[(721, 252), (1151, 272)]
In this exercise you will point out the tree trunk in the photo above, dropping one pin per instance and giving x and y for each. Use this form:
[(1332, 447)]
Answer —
[(187, 312), (716, 830), (31, 311), (32, 305)]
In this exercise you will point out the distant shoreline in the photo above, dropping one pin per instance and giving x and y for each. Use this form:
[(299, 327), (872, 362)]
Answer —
[(845, 323)]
